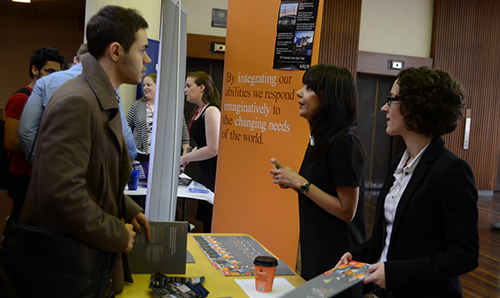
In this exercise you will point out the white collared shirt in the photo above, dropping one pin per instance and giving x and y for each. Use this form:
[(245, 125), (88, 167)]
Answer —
[(402, 176)]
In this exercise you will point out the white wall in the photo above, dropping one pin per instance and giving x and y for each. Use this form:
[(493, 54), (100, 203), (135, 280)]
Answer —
[(200, 16), (400, 27), (149, 9)]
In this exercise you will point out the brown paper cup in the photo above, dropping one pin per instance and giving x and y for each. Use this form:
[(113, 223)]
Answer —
[(265, 269)]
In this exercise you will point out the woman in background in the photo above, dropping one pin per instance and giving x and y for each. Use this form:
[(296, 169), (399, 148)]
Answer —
[(140, 118), (204, 130), (425, 232), (330, 182)]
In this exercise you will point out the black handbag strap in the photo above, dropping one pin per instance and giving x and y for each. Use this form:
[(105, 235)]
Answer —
[(19, 202)]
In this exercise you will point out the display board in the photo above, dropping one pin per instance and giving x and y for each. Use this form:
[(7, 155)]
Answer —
[(259, 121), (161, 200)]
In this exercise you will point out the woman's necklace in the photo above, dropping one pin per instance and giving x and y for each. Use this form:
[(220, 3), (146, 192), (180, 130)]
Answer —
[(198, 111), (150, 109)]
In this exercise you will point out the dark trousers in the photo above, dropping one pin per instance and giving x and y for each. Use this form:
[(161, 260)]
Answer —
[(17, 189), (204, 214), (142, 157)]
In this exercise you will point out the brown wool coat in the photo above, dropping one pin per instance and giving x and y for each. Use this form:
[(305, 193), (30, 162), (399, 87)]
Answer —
[(82, 165)]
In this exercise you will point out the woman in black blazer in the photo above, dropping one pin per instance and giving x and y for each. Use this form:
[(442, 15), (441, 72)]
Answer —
[(425, 232)]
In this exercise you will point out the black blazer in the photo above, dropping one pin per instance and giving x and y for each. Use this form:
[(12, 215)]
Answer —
[(435, 234)]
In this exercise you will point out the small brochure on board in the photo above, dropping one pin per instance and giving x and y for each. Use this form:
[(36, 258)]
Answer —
[(166, 252), (332, 282)]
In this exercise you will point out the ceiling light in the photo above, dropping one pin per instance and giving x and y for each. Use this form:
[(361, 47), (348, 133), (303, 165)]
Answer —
[(22, 1)]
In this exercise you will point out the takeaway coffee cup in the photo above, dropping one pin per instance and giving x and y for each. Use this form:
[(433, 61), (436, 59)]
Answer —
[(265, 269), (133, 182)]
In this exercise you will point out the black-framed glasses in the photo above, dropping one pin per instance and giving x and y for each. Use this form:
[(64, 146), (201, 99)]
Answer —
[(49, 70), (391, 99)]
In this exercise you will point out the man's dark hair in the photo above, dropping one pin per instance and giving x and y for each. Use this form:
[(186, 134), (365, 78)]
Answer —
[(40, 57), (113, 24), (67, 65), (81, 51)]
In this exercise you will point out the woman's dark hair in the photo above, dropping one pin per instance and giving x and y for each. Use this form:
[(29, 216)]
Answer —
[(113, 24), (338, 111), (431, 102), (210, 94)]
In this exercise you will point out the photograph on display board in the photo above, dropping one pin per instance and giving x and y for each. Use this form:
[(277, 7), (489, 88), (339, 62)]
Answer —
[(303, 43), (295, 34)]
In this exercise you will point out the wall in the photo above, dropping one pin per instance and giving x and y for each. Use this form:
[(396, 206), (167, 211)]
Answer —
[(200, 16), (151, 12), (400, 27), (466, 45), (21, 35)]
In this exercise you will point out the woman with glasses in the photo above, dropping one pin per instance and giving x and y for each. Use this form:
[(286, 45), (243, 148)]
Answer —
[(425, 232), (330, 181)]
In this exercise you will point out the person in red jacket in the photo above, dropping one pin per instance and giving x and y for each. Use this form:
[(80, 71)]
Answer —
[(44, 61)]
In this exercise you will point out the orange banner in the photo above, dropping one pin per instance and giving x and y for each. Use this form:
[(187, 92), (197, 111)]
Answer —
[(259, 120)]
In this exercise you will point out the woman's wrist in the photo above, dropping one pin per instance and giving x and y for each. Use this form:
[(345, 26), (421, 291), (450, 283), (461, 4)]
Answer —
[(300, 182)]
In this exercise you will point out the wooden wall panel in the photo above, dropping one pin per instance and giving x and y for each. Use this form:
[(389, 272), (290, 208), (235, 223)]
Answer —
[(378, 63), (340, 33), (198, 46), (465, 44)]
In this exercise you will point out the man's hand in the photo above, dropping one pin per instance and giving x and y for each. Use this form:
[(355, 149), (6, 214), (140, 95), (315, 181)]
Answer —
[(139, 219), (131, 235)]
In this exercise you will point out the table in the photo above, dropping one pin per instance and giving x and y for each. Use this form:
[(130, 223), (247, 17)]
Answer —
[(218, 284), (183, 192)]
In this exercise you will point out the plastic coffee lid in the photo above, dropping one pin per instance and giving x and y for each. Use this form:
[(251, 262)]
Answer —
[(265, 261)]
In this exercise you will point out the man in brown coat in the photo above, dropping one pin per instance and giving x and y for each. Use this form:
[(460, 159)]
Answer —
[(82, 162)]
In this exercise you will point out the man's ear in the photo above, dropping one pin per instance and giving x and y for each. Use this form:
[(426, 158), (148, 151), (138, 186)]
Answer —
[(115, 51), (75, 60), (35, 71)]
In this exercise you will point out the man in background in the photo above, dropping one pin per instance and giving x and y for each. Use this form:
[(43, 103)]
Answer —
[(43, 91), (44, 61)]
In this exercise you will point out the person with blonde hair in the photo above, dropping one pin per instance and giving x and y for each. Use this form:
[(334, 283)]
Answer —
[(140, 118)]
